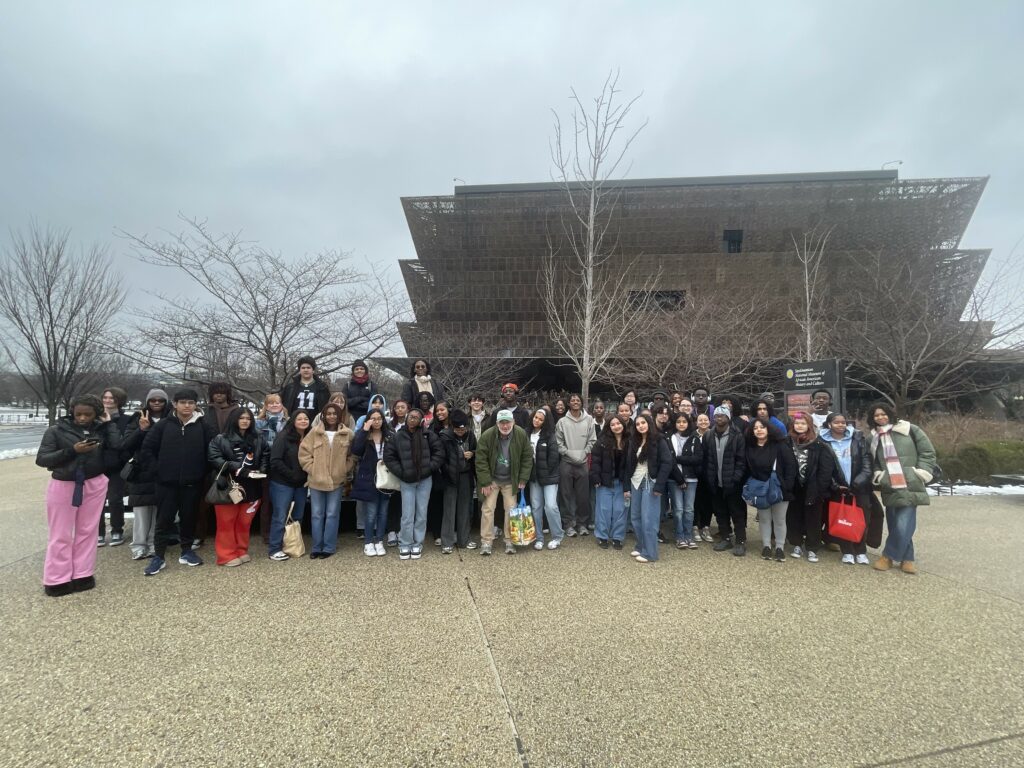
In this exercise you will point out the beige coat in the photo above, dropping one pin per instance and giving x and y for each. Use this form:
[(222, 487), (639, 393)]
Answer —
[(326, 463)]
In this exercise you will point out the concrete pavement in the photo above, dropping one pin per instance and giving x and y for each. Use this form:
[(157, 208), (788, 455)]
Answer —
[(578, 657)]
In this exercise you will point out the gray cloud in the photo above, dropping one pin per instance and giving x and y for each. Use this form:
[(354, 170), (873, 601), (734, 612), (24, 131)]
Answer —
[(303, 123)]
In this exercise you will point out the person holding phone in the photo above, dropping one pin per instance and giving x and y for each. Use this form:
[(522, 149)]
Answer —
[(242, 452), (78, 450)]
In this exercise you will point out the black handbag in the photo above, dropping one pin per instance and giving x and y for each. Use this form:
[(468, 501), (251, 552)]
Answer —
[(224, 489)]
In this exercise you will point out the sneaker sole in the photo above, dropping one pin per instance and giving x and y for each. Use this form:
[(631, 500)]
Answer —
[(154, 573), (190, 565)]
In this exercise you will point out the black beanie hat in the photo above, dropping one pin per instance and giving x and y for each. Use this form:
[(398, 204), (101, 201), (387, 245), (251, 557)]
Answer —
[(362, 363)]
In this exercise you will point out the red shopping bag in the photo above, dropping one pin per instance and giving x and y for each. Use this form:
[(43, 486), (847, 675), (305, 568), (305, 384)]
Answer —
[(846, 519)]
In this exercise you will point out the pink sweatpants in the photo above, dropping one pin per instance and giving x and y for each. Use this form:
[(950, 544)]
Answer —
[(71, 549)]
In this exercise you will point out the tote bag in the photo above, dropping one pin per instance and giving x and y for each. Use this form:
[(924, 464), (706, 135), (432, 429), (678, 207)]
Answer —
[(846, 520), (520, 523), (385, 480), (293, 546)]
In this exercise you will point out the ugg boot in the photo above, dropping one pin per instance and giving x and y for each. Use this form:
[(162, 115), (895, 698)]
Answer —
[(882, 564), (908, 567)]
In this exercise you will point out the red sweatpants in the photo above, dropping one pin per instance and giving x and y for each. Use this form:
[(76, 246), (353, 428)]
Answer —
[(233, 524)]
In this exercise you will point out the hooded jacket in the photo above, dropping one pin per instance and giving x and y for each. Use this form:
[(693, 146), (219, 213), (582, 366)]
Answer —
[(917, 457), (688, 452), (575, 437), (608, 465), (821, 467), (853, 444), (327, 463), (179, 450), (57, 449), (383, 411), (141, 484)]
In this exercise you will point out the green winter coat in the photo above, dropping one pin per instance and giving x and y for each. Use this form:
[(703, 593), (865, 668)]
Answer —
[(520, 456), (917, 455)]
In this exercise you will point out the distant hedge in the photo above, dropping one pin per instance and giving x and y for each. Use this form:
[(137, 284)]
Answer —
[(977, 462)]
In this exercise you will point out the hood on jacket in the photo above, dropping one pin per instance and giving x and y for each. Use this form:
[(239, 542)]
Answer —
[(826, 434)]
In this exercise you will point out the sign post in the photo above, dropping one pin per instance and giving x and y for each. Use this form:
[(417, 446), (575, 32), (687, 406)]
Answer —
[(804, 379)]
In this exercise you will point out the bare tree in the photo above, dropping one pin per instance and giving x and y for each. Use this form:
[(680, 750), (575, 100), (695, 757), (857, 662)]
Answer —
[(58, 306), (722, 340), (911, 338), (259, 311), (591, 308), (810, 253)]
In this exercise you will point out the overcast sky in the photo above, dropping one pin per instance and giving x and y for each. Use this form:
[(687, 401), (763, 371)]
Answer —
[(303, 123)]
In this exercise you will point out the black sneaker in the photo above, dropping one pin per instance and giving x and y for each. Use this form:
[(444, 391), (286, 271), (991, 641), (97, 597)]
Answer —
[(766, 553), (780, 555), (661, 537), (740, 549), (84, 583), (116, 539), (723, 545), (617, 544), (602, 543)]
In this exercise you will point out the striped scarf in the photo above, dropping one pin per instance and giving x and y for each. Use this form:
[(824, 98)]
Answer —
[(892, 459)]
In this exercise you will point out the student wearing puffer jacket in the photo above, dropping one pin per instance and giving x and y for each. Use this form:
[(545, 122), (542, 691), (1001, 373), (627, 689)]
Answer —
[(78, 450), (545, 478)]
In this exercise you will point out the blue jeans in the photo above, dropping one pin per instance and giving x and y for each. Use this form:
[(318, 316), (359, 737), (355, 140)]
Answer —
[(544, 502), (281, 496), (611, 513), (645, 511), (376, 518), (415, 497), (902, 522), (682, 506), (326, 514)]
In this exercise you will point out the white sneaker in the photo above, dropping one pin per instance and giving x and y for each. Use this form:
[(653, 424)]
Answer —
[(797, 553), (392, 539), (378, 548), (635, 553), (369, 550), (848, 559), (538, 545), (812, 557), (554, 544), (437, 542), (863, 560)]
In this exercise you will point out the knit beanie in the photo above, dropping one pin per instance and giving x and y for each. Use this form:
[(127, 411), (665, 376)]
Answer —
[(157, 394), (723, 410)]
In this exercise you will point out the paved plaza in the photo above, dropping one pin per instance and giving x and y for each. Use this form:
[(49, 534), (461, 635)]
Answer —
[(578, 657)]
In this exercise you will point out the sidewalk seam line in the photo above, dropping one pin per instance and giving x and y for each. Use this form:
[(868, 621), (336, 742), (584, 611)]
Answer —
[(497, 678), (945, 751)]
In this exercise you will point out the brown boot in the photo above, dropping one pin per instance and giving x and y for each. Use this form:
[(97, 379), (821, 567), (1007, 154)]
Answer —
[(882, 564), (908, 567)]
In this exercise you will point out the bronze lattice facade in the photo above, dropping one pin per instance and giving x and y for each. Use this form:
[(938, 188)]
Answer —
[(476, 281)]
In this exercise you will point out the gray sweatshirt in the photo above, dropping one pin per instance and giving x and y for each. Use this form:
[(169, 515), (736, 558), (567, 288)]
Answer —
[(575, 437)]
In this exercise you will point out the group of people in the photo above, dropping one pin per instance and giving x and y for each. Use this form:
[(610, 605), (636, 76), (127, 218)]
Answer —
[(423, 464)]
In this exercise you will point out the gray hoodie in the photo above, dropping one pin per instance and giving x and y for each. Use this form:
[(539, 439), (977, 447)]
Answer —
[(575, 437)]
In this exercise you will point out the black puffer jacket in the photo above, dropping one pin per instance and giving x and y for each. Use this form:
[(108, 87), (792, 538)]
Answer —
[(546, 460), (141, 484), (608, 465), (57, 449), (229, 451), (178, 451), (398, 455), (689, 462), (455, 462), (284, 461), (733, 461), (821, 468)]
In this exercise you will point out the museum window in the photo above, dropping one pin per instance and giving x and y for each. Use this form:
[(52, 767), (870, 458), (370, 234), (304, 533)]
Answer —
[(657, 301), (732, 240)]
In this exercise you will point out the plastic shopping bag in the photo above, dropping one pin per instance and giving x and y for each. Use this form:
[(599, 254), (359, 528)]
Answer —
[(520, 523)]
